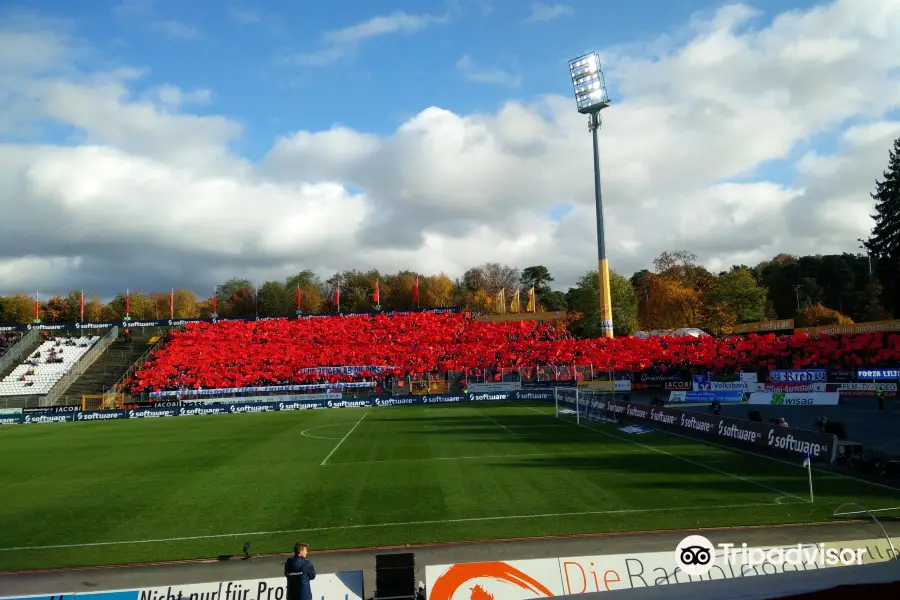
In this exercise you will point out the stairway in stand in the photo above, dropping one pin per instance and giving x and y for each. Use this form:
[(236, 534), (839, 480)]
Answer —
[(107, 369)]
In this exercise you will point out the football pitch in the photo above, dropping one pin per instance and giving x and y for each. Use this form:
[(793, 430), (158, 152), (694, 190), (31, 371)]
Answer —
[(143, 490)]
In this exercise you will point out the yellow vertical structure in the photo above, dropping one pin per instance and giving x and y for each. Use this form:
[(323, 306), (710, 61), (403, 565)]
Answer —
[(606, 320)]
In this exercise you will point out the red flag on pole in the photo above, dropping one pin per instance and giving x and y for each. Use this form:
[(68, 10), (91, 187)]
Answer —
[(37, 306), (337, 297), (127, 304), (172, 304), (299, 296), (214, 300), (81, 308), (377, 295), (416, 292)]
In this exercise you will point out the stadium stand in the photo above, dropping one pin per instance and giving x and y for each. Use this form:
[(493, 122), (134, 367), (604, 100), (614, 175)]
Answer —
[(46, 366), (276, 352), (8, 340)]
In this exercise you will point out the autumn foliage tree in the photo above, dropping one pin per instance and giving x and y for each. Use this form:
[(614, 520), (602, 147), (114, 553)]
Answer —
[(821, 316)]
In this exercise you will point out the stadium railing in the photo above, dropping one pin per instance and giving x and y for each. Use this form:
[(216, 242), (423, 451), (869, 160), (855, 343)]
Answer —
[(18, 349), (80, 367), (118, 385)]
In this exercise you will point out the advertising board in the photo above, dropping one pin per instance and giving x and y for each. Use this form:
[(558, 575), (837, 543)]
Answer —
[(706, 397), (495, 386), (622, 385), (326, 586), (761, 437), (597, 386), (727, 386), (795, 398), (803, 388), (865, 389), (546, 577), (798, 375)]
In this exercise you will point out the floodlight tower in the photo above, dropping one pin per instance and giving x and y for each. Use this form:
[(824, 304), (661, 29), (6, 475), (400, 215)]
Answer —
[(591, 97)]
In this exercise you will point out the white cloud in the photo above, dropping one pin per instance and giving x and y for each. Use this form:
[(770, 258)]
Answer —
[(477, 74), (176, 97), (547, 12), (150, 193), (175, 29), (340, 42), (243, 16)]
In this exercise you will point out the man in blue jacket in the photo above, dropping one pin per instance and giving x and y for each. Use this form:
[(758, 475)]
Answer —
[(299, 571)]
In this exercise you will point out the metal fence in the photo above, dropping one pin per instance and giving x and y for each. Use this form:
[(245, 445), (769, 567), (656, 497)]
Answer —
[(114, 389), (18, 349), (80, 367)]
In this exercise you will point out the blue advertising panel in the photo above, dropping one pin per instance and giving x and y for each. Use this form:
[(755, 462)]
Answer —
[(876, 374)]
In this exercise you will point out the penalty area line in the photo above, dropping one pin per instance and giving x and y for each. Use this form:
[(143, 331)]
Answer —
[(623, 511)]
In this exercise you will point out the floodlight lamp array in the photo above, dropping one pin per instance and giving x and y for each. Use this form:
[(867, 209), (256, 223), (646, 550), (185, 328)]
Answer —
[(588, 83)]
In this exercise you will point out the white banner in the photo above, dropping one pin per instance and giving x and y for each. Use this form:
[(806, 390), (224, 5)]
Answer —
[(623, 385), (499, 386), (326, 586), (677, 396), (795, 399), (803, 388), (867, 387), (546, 577), (727, 386), (282, 398), (749, 376)]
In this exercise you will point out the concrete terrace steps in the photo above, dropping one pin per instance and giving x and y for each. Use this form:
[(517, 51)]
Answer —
[(107, 369)]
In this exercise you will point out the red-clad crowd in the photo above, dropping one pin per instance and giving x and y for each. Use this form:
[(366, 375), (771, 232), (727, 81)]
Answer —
[(241, 354)]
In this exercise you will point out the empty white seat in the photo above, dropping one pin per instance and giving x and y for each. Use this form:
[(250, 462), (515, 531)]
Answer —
[(35, 375)]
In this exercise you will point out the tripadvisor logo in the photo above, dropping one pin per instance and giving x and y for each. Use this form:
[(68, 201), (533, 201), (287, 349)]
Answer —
[(778, 398)]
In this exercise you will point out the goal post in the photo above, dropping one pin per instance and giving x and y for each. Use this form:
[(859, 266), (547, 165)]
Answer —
[(581, 405)]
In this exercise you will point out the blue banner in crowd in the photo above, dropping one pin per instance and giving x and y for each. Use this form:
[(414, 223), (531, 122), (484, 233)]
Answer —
[(798, 376), (876, 374), (182, 322)]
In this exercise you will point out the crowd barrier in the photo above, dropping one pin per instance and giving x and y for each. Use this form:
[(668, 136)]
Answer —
[(91, 326), (219, 406), (727, 431), (546, 577), (347, 585)]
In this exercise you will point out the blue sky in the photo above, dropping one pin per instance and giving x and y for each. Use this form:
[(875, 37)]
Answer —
[(258, 139), (250, 55)]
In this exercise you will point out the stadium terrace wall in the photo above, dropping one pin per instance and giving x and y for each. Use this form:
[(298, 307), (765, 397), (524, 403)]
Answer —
[(90, 326), (347, 585), (727, 431)]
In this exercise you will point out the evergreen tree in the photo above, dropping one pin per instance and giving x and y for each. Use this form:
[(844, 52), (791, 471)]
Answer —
[(885, 240)]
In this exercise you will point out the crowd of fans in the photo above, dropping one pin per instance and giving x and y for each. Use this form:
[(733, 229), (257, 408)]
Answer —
[(275, 352), (8, 340)]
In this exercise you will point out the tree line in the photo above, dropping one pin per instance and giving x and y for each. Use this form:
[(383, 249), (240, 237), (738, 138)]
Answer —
[(677, 292), (814, 290)]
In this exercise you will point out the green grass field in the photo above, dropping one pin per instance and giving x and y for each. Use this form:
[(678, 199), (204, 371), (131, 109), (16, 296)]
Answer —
[(164, 489)]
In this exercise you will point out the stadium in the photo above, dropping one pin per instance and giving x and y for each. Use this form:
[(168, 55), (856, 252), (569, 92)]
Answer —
[(712, 426)]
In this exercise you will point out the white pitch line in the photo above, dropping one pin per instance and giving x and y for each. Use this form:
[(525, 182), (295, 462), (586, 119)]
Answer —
[(862, 512), (343, 439), (392, 524), (501, 425)]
